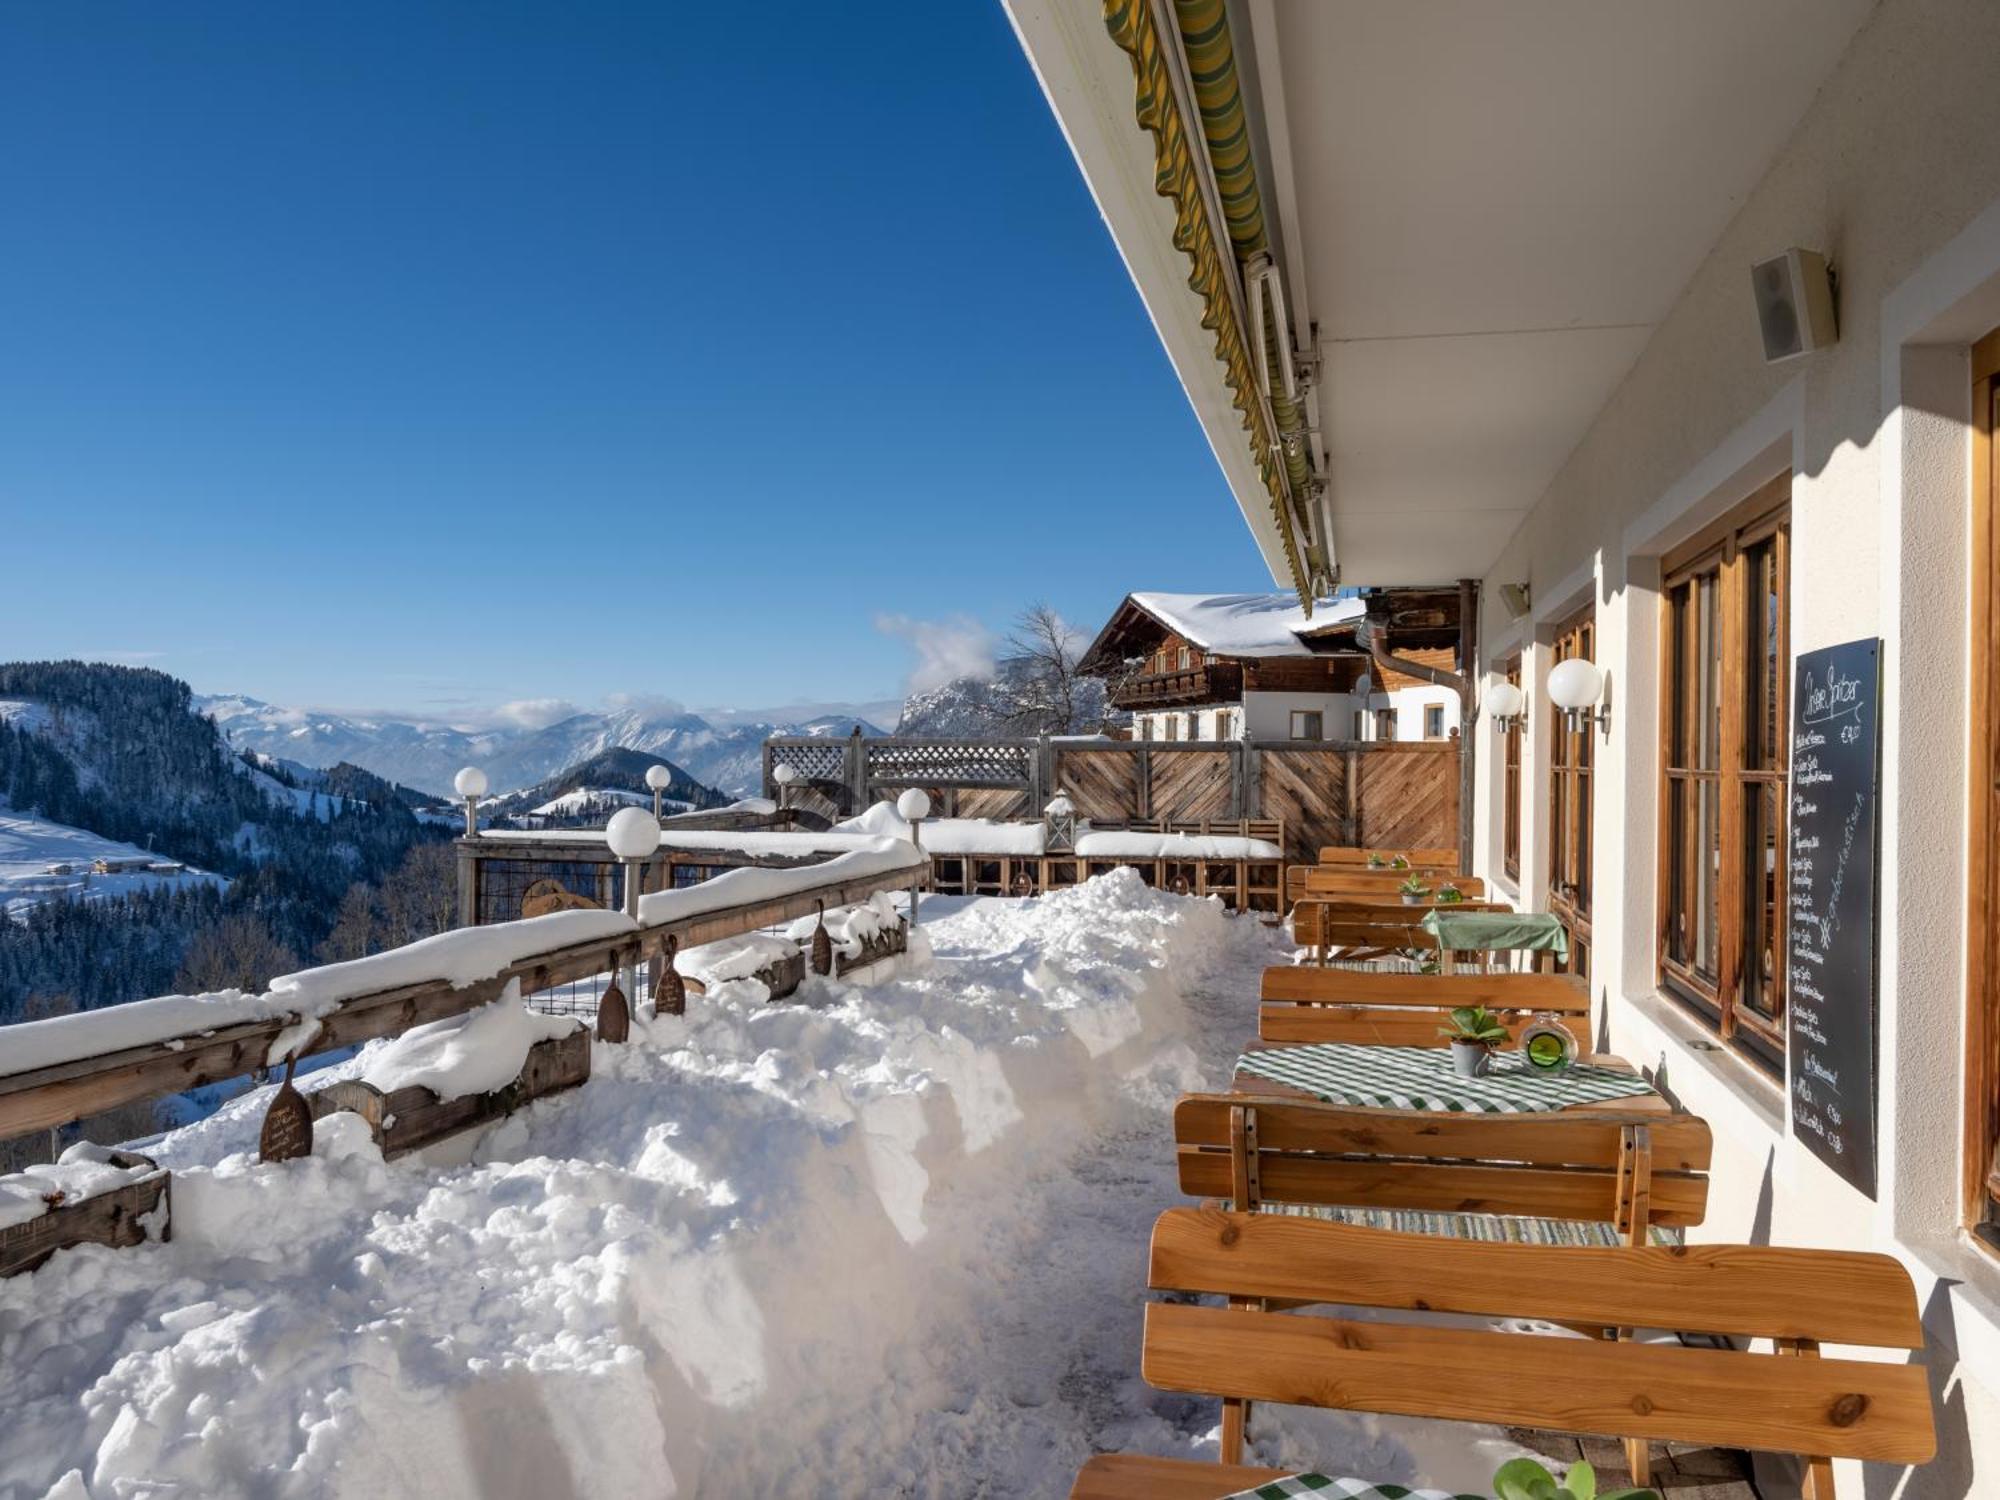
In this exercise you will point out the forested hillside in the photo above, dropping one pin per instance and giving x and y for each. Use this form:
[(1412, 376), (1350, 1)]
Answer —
[(122, 752)]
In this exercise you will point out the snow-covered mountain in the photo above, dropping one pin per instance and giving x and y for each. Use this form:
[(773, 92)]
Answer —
[(725, 753), (978, 708)]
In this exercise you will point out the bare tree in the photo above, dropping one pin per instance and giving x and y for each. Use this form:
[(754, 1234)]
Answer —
[(1044, 692), (238, 951)]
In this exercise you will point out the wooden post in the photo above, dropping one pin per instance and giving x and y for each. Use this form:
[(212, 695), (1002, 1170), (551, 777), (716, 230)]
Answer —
[(468, 885), (857, 774), (1468, 715), (770, 765)]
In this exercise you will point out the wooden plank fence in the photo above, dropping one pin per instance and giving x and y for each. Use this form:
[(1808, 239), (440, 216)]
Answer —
[(1335, 793)]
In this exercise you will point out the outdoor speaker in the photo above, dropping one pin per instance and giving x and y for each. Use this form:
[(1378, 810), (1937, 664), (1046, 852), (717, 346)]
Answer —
[(1515, 597), (1794, 304)]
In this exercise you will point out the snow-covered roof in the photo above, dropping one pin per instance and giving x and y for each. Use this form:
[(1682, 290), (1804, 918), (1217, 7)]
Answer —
[(1244, 624)]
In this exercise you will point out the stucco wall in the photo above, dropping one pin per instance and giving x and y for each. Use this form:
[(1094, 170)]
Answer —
[(1895, 173)]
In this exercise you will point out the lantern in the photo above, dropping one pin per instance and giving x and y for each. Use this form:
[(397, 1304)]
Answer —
[(1059, 825)]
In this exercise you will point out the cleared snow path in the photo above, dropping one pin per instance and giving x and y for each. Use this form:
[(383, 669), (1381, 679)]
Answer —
[(891, 1242)]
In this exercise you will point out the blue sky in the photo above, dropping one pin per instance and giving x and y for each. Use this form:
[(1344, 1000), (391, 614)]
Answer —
[(435, 356)]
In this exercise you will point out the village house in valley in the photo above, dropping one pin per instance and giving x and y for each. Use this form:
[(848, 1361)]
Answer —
[(1255, 667)]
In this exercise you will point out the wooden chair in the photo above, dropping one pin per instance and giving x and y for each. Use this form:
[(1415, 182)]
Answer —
[(1301, 1003), (1421, 859), (1788, 1401), (1630, 1170)]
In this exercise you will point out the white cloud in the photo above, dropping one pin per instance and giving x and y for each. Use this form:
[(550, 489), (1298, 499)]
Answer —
[(536, 713), (946, 649), (652, 705)]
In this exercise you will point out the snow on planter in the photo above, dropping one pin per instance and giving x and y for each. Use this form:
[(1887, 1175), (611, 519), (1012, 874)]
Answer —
[(475, 1053)]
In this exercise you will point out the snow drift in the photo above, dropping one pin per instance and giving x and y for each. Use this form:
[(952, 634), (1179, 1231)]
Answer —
[(890, 1240)]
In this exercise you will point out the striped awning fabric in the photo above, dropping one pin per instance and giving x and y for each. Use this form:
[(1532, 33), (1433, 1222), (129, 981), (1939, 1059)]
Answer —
[(1424, 1078)]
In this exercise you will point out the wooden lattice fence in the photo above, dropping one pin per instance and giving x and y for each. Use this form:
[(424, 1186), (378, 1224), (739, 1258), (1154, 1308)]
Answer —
[(1378, 794)]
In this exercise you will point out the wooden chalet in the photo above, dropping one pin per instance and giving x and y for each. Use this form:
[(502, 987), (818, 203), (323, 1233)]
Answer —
[(1255, 666)]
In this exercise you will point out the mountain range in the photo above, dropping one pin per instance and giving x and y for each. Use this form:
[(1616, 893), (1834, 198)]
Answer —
[(723, 751)]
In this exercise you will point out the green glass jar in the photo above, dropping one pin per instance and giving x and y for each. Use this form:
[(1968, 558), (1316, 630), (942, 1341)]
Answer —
[(1548, 1046)]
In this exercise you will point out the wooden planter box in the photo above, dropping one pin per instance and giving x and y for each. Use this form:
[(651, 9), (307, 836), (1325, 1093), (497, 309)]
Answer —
[(884, 944), (411, 1118), (117, 1218)]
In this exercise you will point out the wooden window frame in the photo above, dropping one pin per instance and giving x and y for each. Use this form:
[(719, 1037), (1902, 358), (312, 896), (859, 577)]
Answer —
[(1511, 746), (1572, 781), (1429, 710), (1314, 720), (1720, 551), (1980, 1155)]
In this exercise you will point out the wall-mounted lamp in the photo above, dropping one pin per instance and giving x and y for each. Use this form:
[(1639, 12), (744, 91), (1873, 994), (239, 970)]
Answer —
[(470, 784), (1506, 703), (659, 778), (1575, 686)]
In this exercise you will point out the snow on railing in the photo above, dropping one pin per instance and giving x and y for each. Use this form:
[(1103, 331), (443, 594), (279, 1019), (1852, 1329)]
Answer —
[(57, 1071)]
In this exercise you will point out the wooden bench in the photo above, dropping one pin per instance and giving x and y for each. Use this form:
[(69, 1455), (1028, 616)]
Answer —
[(1788, 1401), (1383, 885), (1420, 859), (1365, 930), (1301, 1003), (1629, 1169)]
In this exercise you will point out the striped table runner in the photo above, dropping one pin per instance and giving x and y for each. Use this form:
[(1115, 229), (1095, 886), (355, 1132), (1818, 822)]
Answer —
[(1373, 1077)]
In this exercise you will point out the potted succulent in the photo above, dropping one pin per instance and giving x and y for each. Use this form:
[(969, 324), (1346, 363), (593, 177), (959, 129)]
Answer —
[(1524, 1479), (1413, 891), (1400, 862), (1377, 862), (1474, 1032), (1449, 894)]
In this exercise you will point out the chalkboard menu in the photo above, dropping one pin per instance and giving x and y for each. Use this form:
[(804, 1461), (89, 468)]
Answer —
[(1831, 967)]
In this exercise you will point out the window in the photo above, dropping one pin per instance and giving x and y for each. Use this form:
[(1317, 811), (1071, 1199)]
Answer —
[(1510, 785), (1360, 724), (1194, 726), (1186, 658), (1306, 724), (1173, 726), (1982, 1126), (1571, 753), (1385, 723), (1723, 683), (1434, 721)]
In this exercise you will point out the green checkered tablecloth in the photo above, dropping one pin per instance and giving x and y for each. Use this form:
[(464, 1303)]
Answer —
[(1423, 1078), (1497, 931), (1341, 1489)]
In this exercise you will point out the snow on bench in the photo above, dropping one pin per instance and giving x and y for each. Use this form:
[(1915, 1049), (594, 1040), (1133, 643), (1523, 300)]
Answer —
[(1116, 843)]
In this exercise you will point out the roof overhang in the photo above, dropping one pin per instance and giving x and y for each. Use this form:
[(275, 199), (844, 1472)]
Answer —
[(1478, 215)]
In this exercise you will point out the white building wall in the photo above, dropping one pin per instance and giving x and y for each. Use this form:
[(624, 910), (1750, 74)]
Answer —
[(1895, 173)]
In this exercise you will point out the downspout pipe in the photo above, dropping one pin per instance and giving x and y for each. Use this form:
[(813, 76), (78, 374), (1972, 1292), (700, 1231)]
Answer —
[(1372, 634)]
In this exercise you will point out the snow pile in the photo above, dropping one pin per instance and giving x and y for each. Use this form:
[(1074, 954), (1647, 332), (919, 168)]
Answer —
[(891, 1241), (475, 1053), (28, 1045), (953, 835), (83, 1171)]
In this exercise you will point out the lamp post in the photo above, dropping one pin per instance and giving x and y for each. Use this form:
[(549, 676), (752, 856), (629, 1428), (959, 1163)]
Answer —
[(784, 776), (659, 778), (470, 784), (914, 806), (633, 835), (1575, 686), (1506, 703)]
